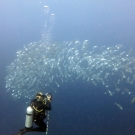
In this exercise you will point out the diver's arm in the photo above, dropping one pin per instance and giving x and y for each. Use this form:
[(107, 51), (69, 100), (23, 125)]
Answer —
[(48, 106)]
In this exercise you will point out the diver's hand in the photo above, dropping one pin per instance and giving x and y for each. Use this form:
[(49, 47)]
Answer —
[(49, 99)]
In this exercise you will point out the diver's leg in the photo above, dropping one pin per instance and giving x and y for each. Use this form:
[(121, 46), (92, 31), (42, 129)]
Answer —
[(42, 126)]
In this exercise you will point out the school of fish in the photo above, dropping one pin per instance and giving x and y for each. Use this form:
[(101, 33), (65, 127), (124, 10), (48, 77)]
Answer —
[(41, 64)]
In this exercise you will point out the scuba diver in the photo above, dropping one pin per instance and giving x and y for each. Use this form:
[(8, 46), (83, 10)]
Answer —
[(36, 112)]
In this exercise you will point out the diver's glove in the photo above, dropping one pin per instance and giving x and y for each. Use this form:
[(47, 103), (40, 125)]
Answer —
[(49, 96)]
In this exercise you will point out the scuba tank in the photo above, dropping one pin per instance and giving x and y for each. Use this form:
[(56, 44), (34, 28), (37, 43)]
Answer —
[(29, 117)]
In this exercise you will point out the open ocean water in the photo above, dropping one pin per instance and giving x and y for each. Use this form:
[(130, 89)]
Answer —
[(80, 51)]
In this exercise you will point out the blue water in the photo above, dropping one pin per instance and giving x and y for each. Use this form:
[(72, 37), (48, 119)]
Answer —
[(85, 111)]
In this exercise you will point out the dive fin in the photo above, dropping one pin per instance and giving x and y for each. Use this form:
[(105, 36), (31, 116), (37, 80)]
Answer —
[(21, 132)]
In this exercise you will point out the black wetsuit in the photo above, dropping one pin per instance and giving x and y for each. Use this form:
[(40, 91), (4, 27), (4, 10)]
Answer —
[(39, 114)]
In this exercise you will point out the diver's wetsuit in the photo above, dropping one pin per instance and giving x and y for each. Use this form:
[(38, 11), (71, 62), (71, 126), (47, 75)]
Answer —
[(39, 114)]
